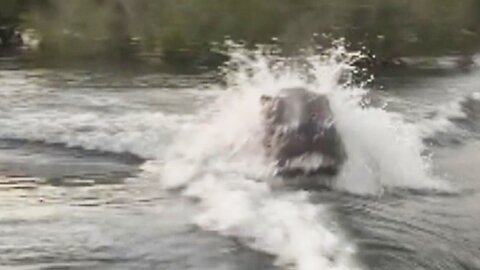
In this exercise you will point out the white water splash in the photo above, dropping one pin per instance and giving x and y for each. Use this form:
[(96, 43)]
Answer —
[(442, 119), (287, 225), (384, 152), (220, 161)]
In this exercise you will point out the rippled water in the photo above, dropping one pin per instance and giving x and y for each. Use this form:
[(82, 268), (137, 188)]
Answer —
[(93, 174)]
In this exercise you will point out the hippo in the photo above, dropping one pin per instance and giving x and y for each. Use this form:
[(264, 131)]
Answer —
[(299, 126)]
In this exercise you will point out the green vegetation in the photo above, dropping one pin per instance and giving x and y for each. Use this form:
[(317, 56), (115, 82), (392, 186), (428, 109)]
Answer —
[(182, 31)]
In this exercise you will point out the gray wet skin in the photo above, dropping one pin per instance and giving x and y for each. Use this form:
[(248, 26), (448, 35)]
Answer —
[(299, 122)]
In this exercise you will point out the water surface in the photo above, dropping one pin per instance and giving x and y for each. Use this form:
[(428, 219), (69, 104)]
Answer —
[(74, 195)]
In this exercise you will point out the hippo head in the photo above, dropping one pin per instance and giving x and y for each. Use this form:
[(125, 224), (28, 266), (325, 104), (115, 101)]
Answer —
[(300, 123)]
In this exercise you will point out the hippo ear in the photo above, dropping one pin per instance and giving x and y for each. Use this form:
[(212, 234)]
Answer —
[(264, 100)]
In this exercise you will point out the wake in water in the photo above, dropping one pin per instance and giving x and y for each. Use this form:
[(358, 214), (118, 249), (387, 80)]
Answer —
[(220, 160), (442, 125)]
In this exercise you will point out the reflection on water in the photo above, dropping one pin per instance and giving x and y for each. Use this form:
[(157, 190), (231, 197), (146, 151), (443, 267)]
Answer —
[(129, 225)]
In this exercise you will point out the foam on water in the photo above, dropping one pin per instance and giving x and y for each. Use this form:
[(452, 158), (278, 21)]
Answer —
[(220, 161), (144, 134), (442, 120)]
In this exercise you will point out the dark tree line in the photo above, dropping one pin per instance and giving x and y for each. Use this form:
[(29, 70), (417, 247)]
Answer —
[(183, 31)]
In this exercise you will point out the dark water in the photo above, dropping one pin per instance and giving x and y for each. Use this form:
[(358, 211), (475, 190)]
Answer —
[(73, 196)]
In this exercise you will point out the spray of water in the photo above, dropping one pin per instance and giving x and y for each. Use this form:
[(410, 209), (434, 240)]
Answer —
[(220, 160), (442, 119)]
